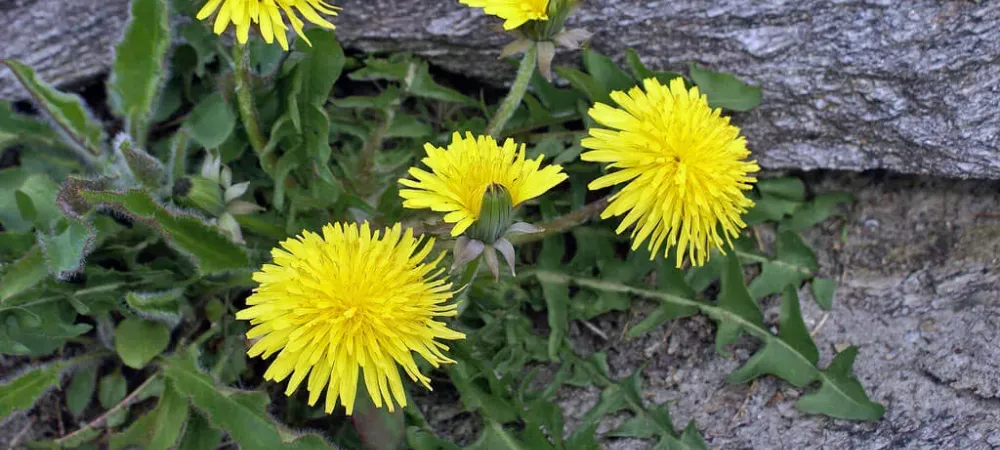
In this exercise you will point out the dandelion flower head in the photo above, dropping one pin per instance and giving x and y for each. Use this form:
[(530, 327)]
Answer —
[(682, 164), (514, 12), (461, 173), (266, 14), (346, 304)]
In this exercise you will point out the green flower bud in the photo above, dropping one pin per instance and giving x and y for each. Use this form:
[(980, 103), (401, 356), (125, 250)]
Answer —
[(494, 215), (201, 193)]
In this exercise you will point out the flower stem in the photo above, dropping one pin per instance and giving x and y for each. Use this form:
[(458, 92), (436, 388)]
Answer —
[(563, 223), (244, 97), (517, 90)]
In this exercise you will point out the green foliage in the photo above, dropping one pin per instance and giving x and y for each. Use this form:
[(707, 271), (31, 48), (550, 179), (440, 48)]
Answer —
[(139, 341), (139, 260), (210, 250), (724, 90), (22, 391), (242, 414), (211, 121), (71, 115), (140, 64)]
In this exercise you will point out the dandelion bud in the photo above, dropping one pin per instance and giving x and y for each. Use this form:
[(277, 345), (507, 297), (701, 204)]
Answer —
[(494, 215), (201, 193)]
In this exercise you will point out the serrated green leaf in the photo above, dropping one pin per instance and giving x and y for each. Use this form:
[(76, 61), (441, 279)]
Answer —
[(112, 389), (66, 110), (21, 392), (690, 439), (135, 436), (585, 438), (163, 306), (22, 274), (823, 290), (378, 428), (815, 211), (199, 433), (143, 167), (724, 90), (770, 209), (139, 68), (735, 299), (606, 73), (556, 293), (211, 121), (699, 278), (19, 128), (792, 356), (641, 72), (423, 85), (794, 263), (240, 413), (643, 427), (212, 251), (407, 126), (671, 281), (321, 67), (841, 394), (81, 389), (38, 188), (138, 341), (25, 206), (65, 250), (788, 188), (494, 436), (584, 83), (171, 415)]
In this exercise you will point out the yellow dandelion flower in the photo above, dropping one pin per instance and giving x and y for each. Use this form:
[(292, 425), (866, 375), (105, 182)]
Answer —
[(683, 166), (461, 173), (266, 14), (514, 12), (348, 304)]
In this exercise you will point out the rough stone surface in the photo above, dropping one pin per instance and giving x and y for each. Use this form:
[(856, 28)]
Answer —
[(907, 85)]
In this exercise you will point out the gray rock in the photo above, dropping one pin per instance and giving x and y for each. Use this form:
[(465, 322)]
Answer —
[(907, 85)]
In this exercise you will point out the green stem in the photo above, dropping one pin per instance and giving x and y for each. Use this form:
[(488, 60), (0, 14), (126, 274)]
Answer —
[(369, 152), (244, 97), (563, 223), (517, 90), (130, 399)]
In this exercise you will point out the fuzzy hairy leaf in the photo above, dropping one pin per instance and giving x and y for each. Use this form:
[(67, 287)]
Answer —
[(199, 433), (22, 274), (841, 394), (21, 392), (65, 250), (241, 413), (66, 110), (139, 68), (17, 186), (18, 128), (207, 247)]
